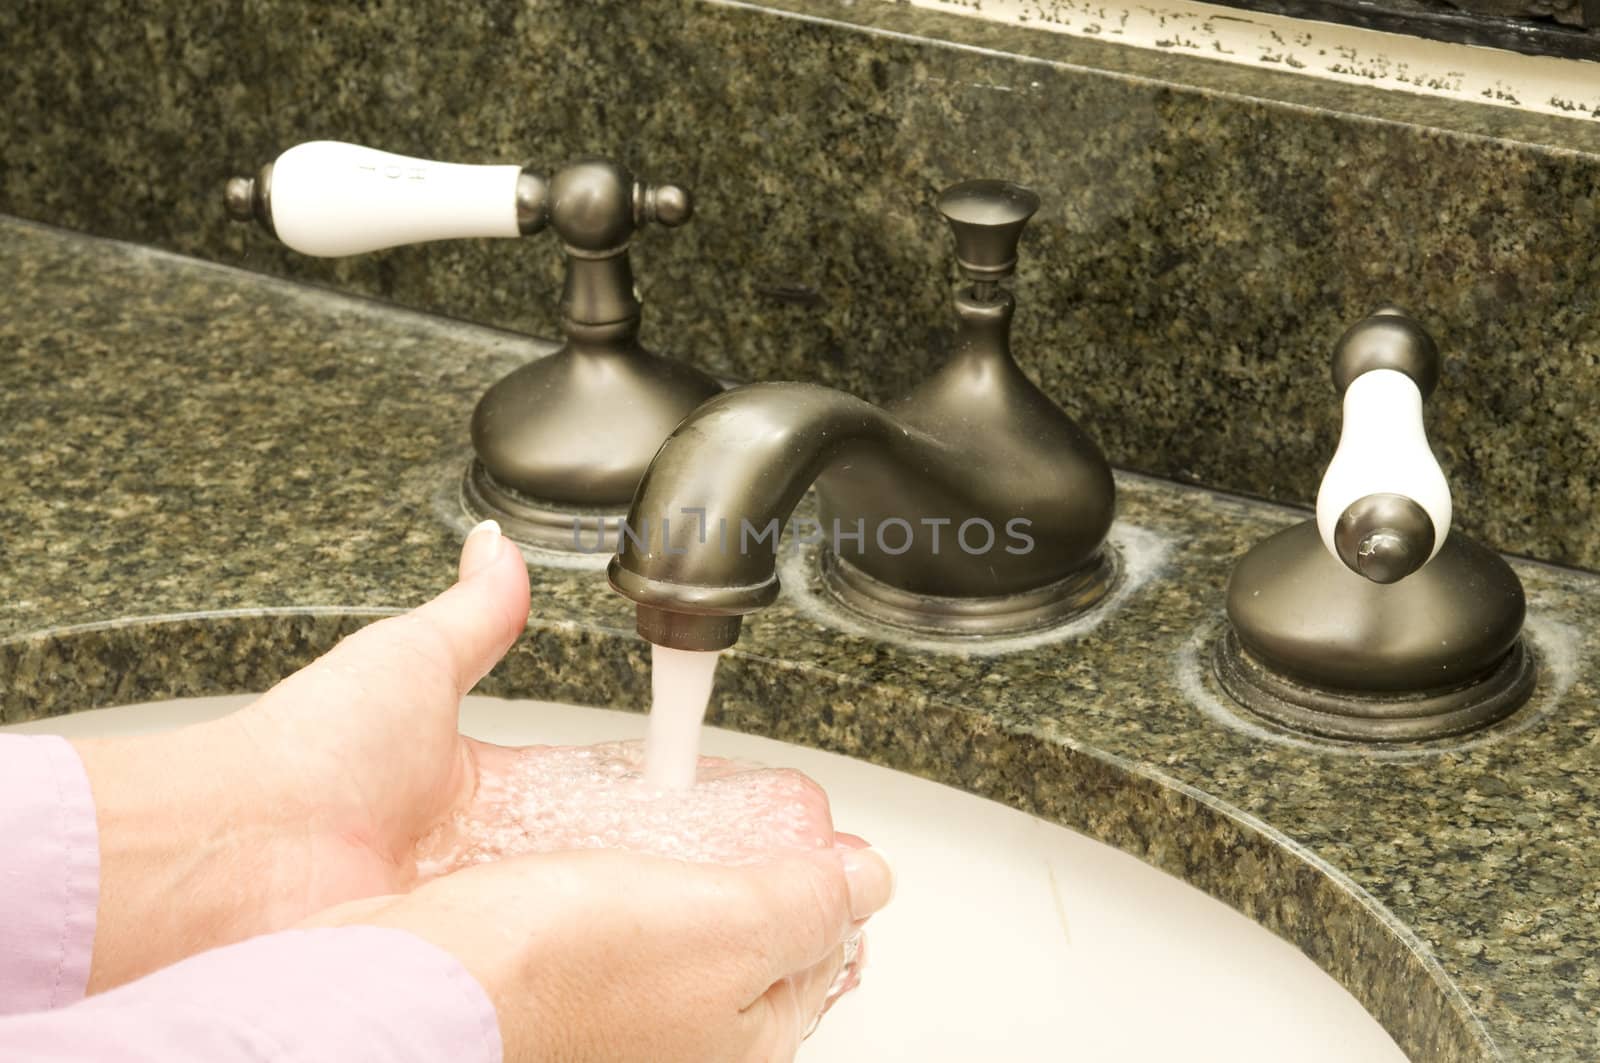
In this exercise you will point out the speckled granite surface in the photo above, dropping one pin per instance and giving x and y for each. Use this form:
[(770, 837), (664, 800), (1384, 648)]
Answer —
[(210, 476), (1208, 229)]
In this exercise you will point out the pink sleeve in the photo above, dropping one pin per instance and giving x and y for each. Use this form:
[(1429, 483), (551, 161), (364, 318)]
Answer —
[(49, 873), (346, 995)]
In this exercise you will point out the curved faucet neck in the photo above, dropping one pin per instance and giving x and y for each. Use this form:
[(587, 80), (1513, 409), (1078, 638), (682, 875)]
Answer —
[(703, 533)]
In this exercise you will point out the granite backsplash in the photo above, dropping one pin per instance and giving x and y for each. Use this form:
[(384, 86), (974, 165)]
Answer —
[(1208, 230)]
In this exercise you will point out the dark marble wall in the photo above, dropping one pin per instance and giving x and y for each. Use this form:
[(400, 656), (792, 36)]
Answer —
[(1208, 230)]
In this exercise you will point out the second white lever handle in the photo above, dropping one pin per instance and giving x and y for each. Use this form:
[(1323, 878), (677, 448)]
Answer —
[(329, 198), (1384, 507)]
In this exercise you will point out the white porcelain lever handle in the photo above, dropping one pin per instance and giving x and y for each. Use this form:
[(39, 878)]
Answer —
[(1383, 463), (329, 198)]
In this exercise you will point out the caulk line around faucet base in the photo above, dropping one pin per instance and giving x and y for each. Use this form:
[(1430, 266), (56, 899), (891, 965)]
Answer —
[(1374, 718), (1003, 614), (544, 525)]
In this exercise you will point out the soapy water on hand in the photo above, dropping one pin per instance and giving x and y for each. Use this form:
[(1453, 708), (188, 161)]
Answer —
[(553, 798), (658, 797)]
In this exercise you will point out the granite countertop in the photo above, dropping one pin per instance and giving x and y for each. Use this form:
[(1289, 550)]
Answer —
[(210, 476)]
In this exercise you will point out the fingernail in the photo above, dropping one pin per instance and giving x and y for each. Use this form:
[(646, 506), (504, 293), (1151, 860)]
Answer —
[(481, 548), (869, 879)]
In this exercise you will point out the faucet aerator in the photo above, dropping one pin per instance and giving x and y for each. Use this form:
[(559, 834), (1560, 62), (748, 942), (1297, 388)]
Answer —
[(687, 631)]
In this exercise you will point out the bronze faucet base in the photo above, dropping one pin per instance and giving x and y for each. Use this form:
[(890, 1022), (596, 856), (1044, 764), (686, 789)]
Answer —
[(1362, 717), (543, 525), (1314, 647), (1004, 614)]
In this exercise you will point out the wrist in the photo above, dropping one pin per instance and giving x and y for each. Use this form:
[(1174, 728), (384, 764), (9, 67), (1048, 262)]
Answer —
[(189, 856)]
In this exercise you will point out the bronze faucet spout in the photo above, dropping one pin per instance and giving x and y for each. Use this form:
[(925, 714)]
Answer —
[(702, 537), (972, 506), (974, 497)]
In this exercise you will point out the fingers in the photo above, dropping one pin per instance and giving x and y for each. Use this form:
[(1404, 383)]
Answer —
[(869, 878), (820, 987), (790, 1009), (805, 906)]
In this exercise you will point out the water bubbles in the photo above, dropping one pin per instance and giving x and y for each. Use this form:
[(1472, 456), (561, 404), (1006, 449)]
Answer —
[(553, 798)]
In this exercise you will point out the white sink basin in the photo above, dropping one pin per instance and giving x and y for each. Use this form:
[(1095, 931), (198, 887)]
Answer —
[(1010, 939)]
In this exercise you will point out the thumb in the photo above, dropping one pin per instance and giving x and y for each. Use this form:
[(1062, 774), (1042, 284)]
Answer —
[(451, 641), (480, 550), (475, 621)]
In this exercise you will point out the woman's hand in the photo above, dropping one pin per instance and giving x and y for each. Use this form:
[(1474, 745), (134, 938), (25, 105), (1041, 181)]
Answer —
[(313, 795), (604, 955)]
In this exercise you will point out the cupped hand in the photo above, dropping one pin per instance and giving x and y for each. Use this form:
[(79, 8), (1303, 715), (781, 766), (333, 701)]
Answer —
[(607, 955), (362, 746), (321, 790), (312, 795)]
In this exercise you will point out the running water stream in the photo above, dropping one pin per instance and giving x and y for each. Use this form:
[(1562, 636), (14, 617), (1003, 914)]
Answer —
[(680, 688)]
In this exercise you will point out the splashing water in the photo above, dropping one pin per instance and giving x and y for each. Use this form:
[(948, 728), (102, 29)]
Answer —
[(658, 797), (680, 688), (542, 799)]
